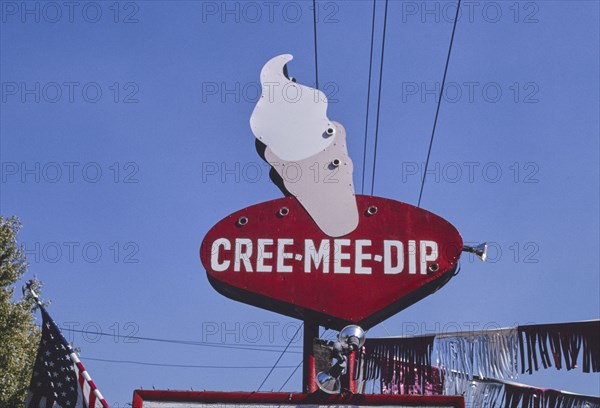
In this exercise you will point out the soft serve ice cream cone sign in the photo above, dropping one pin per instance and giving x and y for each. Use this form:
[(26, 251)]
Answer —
[(311, 254)]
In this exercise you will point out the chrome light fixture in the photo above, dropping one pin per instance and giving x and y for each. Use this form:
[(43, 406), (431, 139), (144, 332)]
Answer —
[(480, 250), (329, 381), (350, 338)]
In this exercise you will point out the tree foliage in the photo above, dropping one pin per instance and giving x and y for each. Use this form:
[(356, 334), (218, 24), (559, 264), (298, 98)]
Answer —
[(19, 336)]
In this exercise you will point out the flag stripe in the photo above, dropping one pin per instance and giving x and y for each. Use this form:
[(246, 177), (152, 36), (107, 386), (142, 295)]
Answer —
[(90, 391), (98, 394), (81, 381), (92, 402)]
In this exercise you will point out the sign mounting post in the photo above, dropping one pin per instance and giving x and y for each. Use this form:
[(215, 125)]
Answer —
[(311, 331)]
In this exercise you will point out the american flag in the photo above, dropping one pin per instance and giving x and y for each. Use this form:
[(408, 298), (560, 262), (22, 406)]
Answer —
[(59, 379)]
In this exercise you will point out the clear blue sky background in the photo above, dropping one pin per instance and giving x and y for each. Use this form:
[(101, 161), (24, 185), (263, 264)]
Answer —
[(190, 70)]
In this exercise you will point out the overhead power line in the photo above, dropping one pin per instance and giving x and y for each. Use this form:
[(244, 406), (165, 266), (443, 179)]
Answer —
[(437, 111), (280, 356), (362, 187), (379, 97), (315, 36), (291, 375), (252, 347), (300, 363), (145, 363)]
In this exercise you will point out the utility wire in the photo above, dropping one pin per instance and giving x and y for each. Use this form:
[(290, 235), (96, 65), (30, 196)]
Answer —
[(104, 360), (379, 97), (291, 375), (255, 347), (437, 111), (280, 356), (315, 36), (299, 364), (362, 188)]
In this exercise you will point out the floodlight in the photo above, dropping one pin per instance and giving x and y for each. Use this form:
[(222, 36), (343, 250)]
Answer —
[(329, 381), (352, 336), (480, 250)]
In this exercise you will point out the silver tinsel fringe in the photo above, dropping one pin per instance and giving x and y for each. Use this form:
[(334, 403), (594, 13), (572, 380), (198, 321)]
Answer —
[(485, 354)]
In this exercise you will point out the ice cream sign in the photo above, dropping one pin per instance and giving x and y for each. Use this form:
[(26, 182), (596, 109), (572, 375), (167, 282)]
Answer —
[(307, 254)]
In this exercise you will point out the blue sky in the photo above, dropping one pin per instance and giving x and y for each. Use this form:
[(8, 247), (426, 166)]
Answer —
[(125, 136)]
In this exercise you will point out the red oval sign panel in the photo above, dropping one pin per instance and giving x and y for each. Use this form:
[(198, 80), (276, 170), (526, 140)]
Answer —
[(272, 255)]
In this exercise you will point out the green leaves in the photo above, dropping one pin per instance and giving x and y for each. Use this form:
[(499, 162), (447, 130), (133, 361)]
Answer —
[(19, 336)]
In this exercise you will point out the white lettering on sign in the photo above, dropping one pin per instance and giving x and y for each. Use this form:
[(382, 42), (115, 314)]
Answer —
[(214, 255), (412, 257), (243, 252), (432, 256), (316, 256), (280, 255), (360, 257), (338, 255), (264, 254), (388, 262)]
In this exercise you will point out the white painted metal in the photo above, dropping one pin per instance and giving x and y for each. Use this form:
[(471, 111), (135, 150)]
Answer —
[(291, 119), (322, 183)]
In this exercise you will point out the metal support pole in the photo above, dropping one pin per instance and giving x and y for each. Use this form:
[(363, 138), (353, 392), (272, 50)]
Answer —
[(309, 383), (348, 381), (351, 373), (29, 288)]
